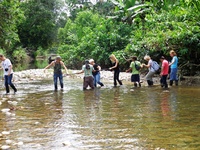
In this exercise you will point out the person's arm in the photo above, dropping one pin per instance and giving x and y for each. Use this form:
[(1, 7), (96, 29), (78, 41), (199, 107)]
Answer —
[(114, 65), (128, 70), (130, 67), (99, 68), (64, 67), (79, 72), (9, 69), (147, 66), (82, 70), (173, 61), (1, 68), (51, 64), (162, 67)]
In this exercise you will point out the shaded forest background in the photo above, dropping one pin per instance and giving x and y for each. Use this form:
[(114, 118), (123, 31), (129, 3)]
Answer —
[(78, 30)]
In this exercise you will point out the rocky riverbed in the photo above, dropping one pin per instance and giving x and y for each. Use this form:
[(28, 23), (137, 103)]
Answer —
[(40, 74), (107, 76)]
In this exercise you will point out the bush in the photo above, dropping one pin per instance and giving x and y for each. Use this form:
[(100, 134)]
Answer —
[(2, 51), (20, 55)]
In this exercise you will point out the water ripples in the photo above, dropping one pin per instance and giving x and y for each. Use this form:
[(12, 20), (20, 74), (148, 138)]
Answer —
[(104, 118)]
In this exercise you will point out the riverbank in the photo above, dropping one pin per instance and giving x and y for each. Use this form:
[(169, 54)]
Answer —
[(40, 74), (106, 76)]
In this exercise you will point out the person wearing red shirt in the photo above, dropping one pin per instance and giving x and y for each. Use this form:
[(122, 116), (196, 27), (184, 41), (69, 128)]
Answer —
[(164, 72)]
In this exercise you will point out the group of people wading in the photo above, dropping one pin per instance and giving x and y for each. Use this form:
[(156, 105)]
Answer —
[(92, 70), (153, 67)]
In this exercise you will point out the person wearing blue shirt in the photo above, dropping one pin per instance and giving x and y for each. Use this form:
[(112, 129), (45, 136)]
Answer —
[(174, 68)]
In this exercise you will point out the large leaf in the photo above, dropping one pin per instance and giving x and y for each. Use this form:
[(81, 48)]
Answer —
[(136, 7), (139, 12)]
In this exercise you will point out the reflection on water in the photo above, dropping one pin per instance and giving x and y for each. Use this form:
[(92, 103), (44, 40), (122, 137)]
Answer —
[(104, 118)]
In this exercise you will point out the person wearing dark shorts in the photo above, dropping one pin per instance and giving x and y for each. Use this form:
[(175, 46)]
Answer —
[(135, 77)]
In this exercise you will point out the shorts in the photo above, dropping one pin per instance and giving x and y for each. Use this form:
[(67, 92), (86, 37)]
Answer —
[(135, 78)]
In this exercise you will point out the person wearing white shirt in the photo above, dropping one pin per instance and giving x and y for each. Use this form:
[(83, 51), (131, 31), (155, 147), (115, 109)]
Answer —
[(6, 65), (150, 74)]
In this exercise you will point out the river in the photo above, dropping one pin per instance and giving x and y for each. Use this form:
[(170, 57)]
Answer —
[(37, 118)]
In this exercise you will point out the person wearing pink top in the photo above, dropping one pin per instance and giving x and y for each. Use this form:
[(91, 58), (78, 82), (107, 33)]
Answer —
[(164, 72)]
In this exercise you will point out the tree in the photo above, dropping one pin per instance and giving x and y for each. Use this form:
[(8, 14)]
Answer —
[(10, 15), (39, 29), (104, 8), (129, 9), (92, 36)]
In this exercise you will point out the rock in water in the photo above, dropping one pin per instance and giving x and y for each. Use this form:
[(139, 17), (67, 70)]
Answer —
[(9, 141), (5, 132), (5, 147), (66, 143)]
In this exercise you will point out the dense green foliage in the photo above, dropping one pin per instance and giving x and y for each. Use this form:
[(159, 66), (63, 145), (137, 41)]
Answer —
[(10, 16), (38, 28), (91, 35), (29, 25), (125, 28)]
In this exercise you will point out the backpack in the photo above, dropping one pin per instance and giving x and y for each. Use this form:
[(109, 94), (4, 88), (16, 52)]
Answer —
[(155, 66), (137, 67), (87, 66)]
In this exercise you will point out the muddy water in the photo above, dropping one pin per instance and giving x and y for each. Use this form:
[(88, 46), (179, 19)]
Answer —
[(108, 118)]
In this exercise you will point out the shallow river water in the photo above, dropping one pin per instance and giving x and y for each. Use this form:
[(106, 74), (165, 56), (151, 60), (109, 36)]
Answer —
[(37, 118)]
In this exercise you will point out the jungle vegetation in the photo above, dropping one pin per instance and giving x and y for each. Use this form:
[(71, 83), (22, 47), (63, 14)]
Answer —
[(78, 30)]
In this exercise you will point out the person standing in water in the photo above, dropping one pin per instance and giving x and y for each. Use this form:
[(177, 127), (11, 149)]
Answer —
[(6, 65), (96, 73), (57, 66), (164, 72), (135, 77), (88, 79), (115, 67), (174, 68), (150, 74)]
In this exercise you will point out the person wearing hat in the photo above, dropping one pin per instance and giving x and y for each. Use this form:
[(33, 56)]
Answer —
[(96, 73), (57, 65), (164, 72), (88, 79), (6, 65)]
